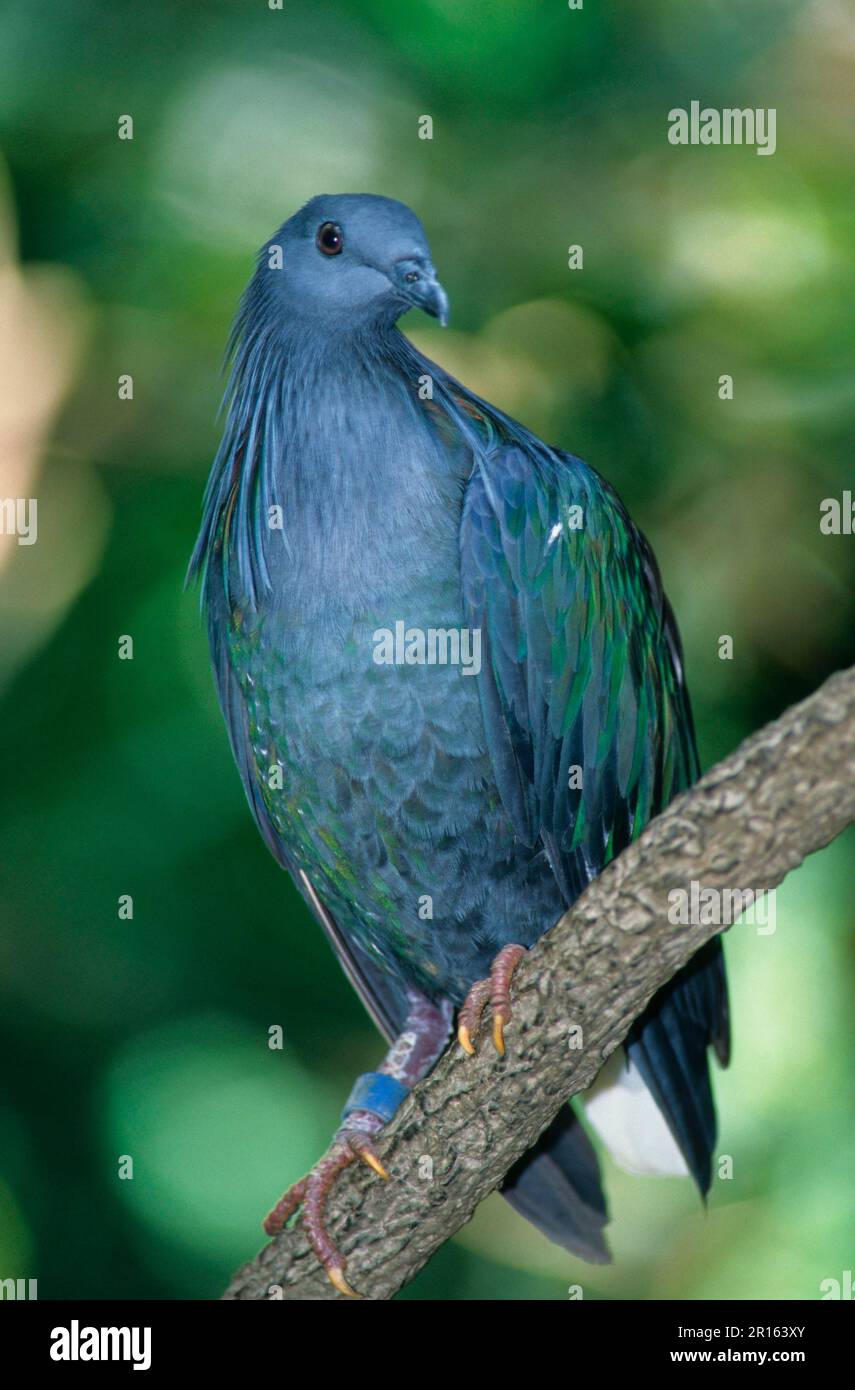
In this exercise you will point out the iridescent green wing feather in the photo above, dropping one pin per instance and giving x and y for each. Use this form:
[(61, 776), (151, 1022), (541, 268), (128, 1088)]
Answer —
[(587, 716)]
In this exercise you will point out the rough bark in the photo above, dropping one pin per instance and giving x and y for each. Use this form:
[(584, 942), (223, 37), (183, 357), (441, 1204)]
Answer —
[(786, 792)]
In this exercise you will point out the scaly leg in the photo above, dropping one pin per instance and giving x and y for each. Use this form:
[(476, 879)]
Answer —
[(497, 989), (372, 1103)]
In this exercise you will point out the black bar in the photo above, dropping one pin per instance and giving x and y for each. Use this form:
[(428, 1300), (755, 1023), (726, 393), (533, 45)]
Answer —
[(247, 1340)]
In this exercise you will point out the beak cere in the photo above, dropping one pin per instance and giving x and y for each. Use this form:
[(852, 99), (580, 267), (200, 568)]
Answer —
[(419, 286)]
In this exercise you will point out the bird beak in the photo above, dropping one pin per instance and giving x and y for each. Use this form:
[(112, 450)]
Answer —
[(432, 299), (420, 288)]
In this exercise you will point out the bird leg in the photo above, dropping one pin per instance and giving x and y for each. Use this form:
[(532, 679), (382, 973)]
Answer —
[(372, 1103), (496, 990)]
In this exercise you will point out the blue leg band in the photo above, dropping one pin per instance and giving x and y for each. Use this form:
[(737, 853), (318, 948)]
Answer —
[(376, 1092)]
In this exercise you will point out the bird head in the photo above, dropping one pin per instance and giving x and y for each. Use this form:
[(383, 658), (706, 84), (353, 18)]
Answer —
[(351, 257)]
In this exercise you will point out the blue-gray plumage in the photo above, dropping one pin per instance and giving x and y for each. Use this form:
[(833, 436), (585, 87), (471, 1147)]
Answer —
[(432, 813)]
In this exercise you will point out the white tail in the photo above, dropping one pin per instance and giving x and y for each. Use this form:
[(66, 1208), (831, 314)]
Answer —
[(625, 1116)]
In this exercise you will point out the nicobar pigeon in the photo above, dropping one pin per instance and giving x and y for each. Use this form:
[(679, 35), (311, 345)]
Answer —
[(454, 691)]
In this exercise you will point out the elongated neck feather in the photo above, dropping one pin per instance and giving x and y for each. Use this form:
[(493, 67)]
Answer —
[(328, 455)]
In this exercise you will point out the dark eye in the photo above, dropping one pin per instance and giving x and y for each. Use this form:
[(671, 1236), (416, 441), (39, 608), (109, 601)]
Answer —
[(329, 239)]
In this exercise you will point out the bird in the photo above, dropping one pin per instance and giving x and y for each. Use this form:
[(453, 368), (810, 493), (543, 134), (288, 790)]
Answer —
[(454, 690)]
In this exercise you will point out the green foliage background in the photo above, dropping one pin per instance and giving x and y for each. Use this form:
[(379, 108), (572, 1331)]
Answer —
[(149, 1037)]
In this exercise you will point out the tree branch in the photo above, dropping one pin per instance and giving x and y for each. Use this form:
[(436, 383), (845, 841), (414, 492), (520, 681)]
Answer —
[(786, 792)]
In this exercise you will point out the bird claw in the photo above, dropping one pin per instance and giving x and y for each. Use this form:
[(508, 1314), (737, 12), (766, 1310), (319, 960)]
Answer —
[(311, 1192), (496, 990), (362, 1148), (469, 1018)]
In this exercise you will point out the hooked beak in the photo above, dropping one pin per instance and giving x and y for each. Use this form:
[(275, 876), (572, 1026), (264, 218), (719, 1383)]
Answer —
[(418, 285)]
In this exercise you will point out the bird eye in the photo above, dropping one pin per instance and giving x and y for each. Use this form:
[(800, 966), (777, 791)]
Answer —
[(329, 239)]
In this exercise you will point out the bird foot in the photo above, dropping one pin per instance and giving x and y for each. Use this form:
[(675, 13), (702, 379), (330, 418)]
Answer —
[(352, 1142), (495, 990)]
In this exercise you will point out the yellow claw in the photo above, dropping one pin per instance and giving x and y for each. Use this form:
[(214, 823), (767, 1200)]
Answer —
[(373, 1162), (464, 1039), (338, 1281), (499, 1035)]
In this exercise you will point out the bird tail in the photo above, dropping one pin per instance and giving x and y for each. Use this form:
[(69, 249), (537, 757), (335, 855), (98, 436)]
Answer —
[(556, 1186), (652, 1106), (652, 1103), (669, 1045)]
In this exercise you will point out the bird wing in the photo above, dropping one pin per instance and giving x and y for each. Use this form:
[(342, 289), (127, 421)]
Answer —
[(382, 994), (585, 708), (587, 718)]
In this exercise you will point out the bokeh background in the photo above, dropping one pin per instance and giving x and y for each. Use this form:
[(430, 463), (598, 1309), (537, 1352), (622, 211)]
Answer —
[(148, 1037)]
